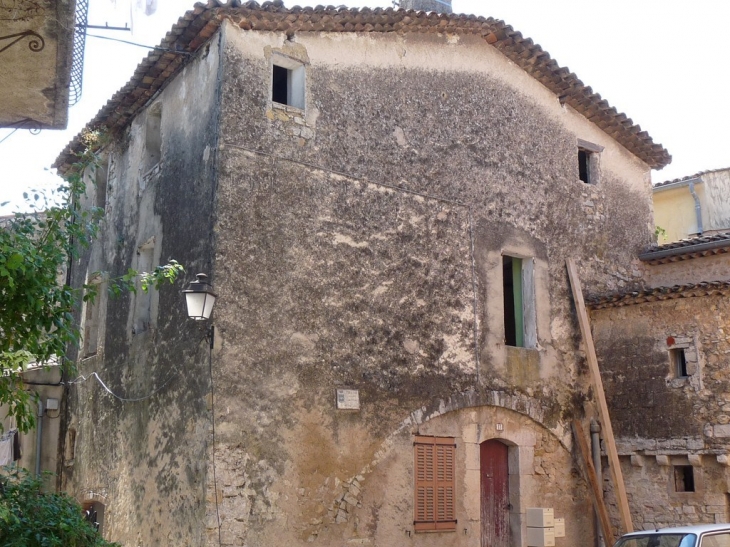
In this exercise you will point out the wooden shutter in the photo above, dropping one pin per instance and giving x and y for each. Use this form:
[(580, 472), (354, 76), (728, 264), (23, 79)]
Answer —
[(434, 497)]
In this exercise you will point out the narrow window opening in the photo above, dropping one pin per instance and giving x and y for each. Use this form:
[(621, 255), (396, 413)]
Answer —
[(280, 85), (143, 300), (100, 178), (684, 478), (153, 137), (287, 83), (679, 359), (70, 449), (91, 321), (584, 166), (512, 290)]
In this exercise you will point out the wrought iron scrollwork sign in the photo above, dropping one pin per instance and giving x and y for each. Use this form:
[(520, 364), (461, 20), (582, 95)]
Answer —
[(34, 127), (35, 44)]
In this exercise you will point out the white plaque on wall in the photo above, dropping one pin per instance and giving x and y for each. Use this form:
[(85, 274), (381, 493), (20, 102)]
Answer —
[(348, 399)]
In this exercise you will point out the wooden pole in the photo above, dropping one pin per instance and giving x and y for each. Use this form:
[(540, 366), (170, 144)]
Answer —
[(593, 480), (615, 466)]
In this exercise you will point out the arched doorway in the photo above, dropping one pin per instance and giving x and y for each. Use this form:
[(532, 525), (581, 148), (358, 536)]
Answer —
[(494, 485)]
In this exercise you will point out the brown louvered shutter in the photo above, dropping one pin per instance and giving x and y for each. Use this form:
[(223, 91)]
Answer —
[(434, 484)]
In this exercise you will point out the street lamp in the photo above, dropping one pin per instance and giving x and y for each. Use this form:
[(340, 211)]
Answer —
[(199, 297)]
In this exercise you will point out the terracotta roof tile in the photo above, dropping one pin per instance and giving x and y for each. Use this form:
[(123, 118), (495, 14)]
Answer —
[(690, 177), (685, 249), (711, 288), (198, 24)]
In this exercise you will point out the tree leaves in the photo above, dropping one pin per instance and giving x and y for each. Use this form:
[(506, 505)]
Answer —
[(30, 517), (36, 308)]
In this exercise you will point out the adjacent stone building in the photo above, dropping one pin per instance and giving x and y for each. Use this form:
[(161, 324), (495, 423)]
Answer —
[(384, 201), (664, 357)]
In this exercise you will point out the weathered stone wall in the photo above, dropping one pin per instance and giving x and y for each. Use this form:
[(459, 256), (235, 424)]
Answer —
[(661, 420), (359, 246), (145, 457), (682, 272)]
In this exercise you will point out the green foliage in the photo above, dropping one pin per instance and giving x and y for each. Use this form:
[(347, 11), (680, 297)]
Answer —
[(31, 518), (36, 305), (659, 232)]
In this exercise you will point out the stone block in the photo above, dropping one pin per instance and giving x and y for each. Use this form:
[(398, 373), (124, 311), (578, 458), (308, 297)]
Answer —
[(472, 456), (723, 459), (662, 460), (341, 516), (714, 499), (471, 497), (721, 431), (522, 460), (470, 433), (637, 460), (695, 460)]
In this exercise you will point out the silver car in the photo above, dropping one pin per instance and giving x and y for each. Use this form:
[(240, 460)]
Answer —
[(702, 535)]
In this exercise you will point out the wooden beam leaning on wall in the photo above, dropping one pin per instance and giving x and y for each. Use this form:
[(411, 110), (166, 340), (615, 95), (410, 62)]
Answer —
[(614, 464), (596, 488)]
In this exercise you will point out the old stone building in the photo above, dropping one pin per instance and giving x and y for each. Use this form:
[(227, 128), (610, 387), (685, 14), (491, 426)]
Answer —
[(664, 359), (384, 201)]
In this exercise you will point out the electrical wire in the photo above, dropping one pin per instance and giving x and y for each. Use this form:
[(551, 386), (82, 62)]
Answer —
[(211, 334), (156, 48), (81, 379), (6, 137)]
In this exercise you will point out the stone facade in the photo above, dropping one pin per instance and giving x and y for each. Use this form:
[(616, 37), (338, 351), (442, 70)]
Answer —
[(356, 239), (666, 420)]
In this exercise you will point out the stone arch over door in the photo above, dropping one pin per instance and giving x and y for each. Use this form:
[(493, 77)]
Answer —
[(540, 469), (525, 424), (542, 412)]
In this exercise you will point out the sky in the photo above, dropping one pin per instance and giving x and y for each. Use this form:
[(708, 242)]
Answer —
[(664, 63)]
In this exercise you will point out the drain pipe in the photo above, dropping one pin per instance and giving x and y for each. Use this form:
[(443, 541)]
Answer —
[(698, 211), (596, 450), (39, 427)]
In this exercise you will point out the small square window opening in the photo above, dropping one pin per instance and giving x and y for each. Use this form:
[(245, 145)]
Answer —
[(684, 478), (287, 83), (679, 362), (588, 159)]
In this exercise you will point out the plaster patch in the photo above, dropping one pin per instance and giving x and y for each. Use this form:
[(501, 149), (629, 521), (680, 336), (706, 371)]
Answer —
[(347, 240)]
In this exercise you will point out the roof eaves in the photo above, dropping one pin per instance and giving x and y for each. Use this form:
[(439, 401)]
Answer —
[(710, 288), (196, 26), (687, 249), (696, 176)]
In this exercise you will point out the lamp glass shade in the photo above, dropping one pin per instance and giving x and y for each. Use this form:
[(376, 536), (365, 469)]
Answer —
[(196, 305), (208, 305), (199, 298)]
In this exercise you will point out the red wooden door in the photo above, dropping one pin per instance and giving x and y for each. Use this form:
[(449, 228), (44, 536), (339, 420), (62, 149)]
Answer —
[(495, 494)]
